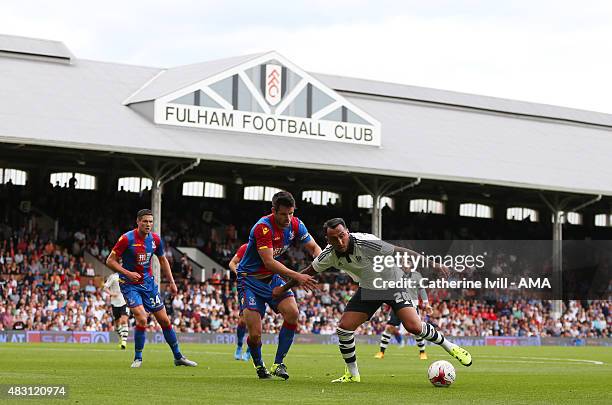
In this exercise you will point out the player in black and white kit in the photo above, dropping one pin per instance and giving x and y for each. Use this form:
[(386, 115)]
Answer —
[(120, 311), (393, 327), (355, 253)]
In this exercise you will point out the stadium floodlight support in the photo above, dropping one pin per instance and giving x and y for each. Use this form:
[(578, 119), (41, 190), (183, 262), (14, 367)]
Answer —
[(378, 191), (559, 212), (161, 175)]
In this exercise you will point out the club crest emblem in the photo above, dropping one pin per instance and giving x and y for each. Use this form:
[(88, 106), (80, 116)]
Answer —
[(274, 83)]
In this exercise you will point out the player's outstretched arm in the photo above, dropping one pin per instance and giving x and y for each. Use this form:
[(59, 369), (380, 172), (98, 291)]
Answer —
[(279, 291), (313, 248), (321, 263), (277, 267)]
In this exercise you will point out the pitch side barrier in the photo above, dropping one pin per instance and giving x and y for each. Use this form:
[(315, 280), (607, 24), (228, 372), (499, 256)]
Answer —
[(230, 339)]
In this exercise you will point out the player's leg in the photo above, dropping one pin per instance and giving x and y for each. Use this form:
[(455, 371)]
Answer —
[(420, 342), (349, 322), (385, 338), (140, 317), (246, 356), (252, 317), (356, 313), (117, 326), (413, 324), (122, 327), (240, 332), (133, 298), (162, 318), (120, 315), (289, 310), (391, 329), (253, 308), (395, 331), (115, 320)]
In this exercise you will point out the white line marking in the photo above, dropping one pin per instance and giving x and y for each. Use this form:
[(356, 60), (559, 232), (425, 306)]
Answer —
[(526, 359), (546, 359)]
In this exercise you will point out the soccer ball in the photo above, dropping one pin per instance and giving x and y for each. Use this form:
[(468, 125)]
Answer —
[(441, 373)]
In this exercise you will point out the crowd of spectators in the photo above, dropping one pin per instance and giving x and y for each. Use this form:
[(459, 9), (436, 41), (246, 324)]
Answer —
[(42, 287), (46, 283), (59, 302)]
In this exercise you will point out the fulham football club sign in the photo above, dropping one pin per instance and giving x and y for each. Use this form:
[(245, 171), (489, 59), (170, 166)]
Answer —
[(268, 95)]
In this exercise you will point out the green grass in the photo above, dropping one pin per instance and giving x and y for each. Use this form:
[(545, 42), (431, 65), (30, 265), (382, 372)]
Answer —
[(100, 374)]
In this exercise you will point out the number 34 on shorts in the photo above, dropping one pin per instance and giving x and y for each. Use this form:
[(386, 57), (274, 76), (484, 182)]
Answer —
[(147, 296), (152, 302), (155, 301)]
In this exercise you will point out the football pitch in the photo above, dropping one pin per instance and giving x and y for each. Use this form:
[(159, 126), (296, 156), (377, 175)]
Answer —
[(100, 373)]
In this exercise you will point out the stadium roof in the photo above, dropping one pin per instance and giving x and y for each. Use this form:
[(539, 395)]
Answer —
[(169, 80), (425, 132), (452, 98), (33, 48)]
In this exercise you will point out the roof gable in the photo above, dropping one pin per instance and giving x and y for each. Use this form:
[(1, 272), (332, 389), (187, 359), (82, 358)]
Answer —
[(169, 80), (261, 94)]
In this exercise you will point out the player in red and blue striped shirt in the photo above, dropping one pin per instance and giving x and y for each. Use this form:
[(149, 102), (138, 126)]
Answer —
[(260, 271), (136, 249)]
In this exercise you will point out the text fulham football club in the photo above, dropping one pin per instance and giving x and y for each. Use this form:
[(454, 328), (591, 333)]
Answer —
[(246, 121)]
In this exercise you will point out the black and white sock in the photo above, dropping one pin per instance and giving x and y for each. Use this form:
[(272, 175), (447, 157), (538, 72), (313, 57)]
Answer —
[(420, 343), (429, 333), (346, 342), (385, 338), (122, 331)]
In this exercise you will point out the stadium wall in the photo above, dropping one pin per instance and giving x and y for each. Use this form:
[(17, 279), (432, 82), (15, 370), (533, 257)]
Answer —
[(230, 339)]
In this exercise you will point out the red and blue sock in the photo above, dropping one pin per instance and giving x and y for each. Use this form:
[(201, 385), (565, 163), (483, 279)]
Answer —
[(240, 332), (139, 341), (255, 352), (285, 340), (172, 341)]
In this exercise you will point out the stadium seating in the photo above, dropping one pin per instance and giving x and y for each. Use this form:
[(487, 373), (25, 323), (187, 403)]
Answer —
[(44, 283)]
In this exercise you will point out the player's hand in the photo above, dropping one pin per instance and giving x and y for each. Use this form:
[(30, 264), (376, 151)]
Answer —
[(133, 276), (173, 288), (278, 292), (427, 309), (305, 281)]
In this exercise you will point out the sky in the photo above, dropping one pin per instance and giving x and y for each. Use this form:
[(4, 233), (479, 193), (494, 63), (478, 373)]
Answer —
[(552, 52)]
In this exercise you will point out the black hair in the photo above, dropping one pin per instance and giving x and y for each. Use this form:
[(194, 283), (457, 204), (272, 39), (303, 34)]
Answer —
[(332, 223), (283, 198), (143, 212)]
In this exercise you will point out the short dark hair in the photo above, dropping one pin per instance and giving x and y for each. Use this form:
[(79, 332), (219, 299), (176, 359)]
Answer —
[(332, 223), (144, 212), (283, 198)]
